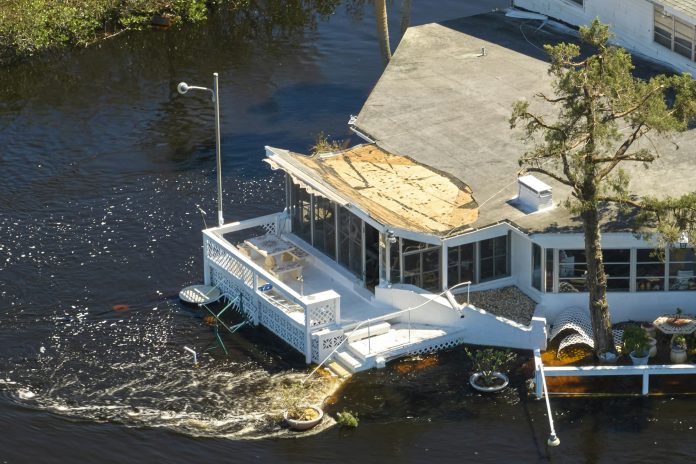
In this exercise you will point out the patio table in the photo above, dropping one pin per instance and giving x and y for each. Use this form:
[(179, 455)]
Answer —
[(269, 246), (675, 324)]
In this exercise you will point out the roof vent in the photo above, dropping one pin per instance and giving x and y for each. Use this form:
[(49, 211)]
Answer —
[(534, 195)]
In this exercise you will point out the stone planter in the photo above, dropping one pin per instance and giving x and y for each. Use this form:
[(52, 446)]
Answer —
[(503, 382), (299, 425), (677, 355)]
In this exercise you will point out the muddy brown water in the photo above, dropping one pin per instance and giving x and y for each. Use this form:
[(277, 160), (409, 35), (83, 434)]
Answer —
[(103, 169)]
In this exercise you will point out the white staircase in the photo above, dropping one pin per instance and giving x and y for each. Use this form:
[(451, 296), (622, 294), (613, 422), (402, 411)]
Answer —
[(389, 341)]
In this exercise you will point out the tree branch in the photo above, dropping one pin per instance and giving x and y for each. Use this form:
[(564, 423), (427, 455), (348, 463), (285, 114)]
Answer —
[(619, 155), (624, 201), (551, 175)]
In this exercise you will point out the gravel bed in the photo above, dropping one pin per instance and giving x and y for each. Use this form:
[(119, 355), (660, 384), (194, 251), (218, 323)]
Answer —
[(508, 302)]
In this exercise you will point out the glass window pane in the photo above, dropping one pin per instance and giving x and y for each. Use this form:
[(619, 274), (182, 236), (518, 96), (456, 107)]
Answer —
[(648, 255), (617, 270), (500, 266), (681, 254), (650, 284), (572, 285), (650, 270), (549, 270), (486, 269), (616, 256), (682, 284), (618, 285), (487, 248), (394, 262), (536, 266)]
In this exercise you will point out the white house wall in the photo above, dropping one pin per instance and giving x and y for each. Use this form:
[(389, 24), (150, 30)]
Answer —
[(631, 21), (623, 306), (521, 262)]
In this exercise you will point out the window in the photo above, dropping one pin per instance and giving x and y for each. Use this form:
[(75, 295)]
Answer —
[(617, 266), (493, 258), (578, 2), (421, 265), (549, 270), (350, 235), (324, 226), (536, 266), (460, 264), (395, 261), (682, 267), (674, 33), (650, 271), (572, 270), (300, 204)]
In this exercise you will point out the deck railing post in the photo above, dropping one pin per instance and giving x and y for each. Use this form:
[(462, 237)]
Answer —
[(646, 382), (206, 267), (308, 336)]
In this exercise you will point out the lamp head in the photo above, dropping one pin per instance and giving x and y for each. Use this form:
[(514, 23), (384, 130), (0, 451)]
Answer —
[(182, 88)]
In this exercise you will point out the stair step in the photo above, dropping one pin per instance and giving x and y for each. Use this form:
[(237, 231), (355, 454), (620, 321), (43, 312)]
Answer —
[(338, 370), (369, 331), (347, 359)]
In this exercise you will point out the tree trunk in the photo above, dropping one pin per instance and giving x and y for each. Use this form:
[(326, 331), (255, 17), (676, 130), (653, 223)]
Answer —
[(405, 16), (597, 283), (382, 29)]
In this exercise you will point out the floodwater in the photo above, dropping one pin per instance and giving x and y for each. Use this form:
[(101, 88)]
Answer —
[(104, 168)]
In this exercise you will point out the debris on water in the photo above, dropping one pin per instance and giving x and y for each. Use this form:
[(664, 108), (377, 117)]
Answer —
[(120, 307)]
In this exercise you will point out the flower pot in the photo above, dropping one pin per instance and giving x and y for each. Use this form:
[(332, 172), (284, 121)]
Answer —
[(639, 360), (298, 424), (475, 380), (677, 355), (652, 343)]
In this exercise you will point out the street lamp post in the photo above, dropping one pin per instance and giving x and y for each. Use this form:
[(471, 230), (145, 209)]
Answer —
[(183, 87)]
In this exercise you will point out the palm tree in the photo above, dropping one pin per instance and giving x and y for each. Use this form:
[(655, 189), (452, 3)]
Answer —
[(382, 29)]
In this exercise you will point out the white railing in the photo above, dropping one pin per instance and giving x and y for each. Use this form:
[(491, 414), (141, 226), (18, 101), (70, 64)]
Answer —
[(604, 370), (291, 316)]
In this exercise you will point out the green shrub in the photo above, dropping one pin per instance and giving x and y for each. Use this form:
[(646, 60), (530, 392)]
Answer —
[(347, 419)]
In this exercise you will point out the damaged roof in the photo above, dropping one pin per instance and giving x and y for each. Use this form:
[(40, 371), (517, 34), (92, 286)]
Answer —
[(394, 190), (445, 100)]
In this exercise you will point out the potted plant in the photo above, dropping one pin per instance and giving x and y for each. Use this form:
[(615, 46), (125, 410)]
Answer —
[(678, 349), (298, 414), (636, 343), (487, 364)]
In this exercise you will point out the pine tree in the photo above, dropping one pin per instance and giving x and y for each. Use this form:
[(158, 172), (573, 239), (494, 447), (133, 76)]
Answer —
[(602, 110)]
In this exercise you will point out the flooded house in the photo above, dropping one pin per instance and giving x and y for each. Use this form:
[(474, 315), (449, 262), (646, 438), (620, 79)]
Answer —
[(428, 235)]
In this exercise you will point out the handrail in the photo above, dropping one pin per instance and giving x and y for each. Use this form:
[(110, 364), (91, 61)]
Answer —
[(379, 318)]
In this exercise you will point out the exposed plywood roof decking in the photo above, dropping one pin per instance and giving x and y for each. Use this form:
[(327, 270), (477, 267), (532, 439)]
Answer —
[(394, 190)]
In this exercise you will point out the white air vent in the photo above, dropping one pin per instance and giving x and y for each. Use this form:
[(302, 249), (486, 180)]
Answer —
[(534, 195)]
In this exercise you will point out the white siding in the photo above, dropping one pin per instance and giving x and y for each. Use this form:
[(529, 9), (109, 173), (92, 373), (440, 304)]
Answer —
[(630, 20)]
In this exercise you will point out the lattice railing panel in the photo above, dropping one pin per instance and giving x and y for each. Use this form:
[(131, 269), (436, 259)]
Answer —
[(323, 314), (280, 324), (247, 304), (324, 343)]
